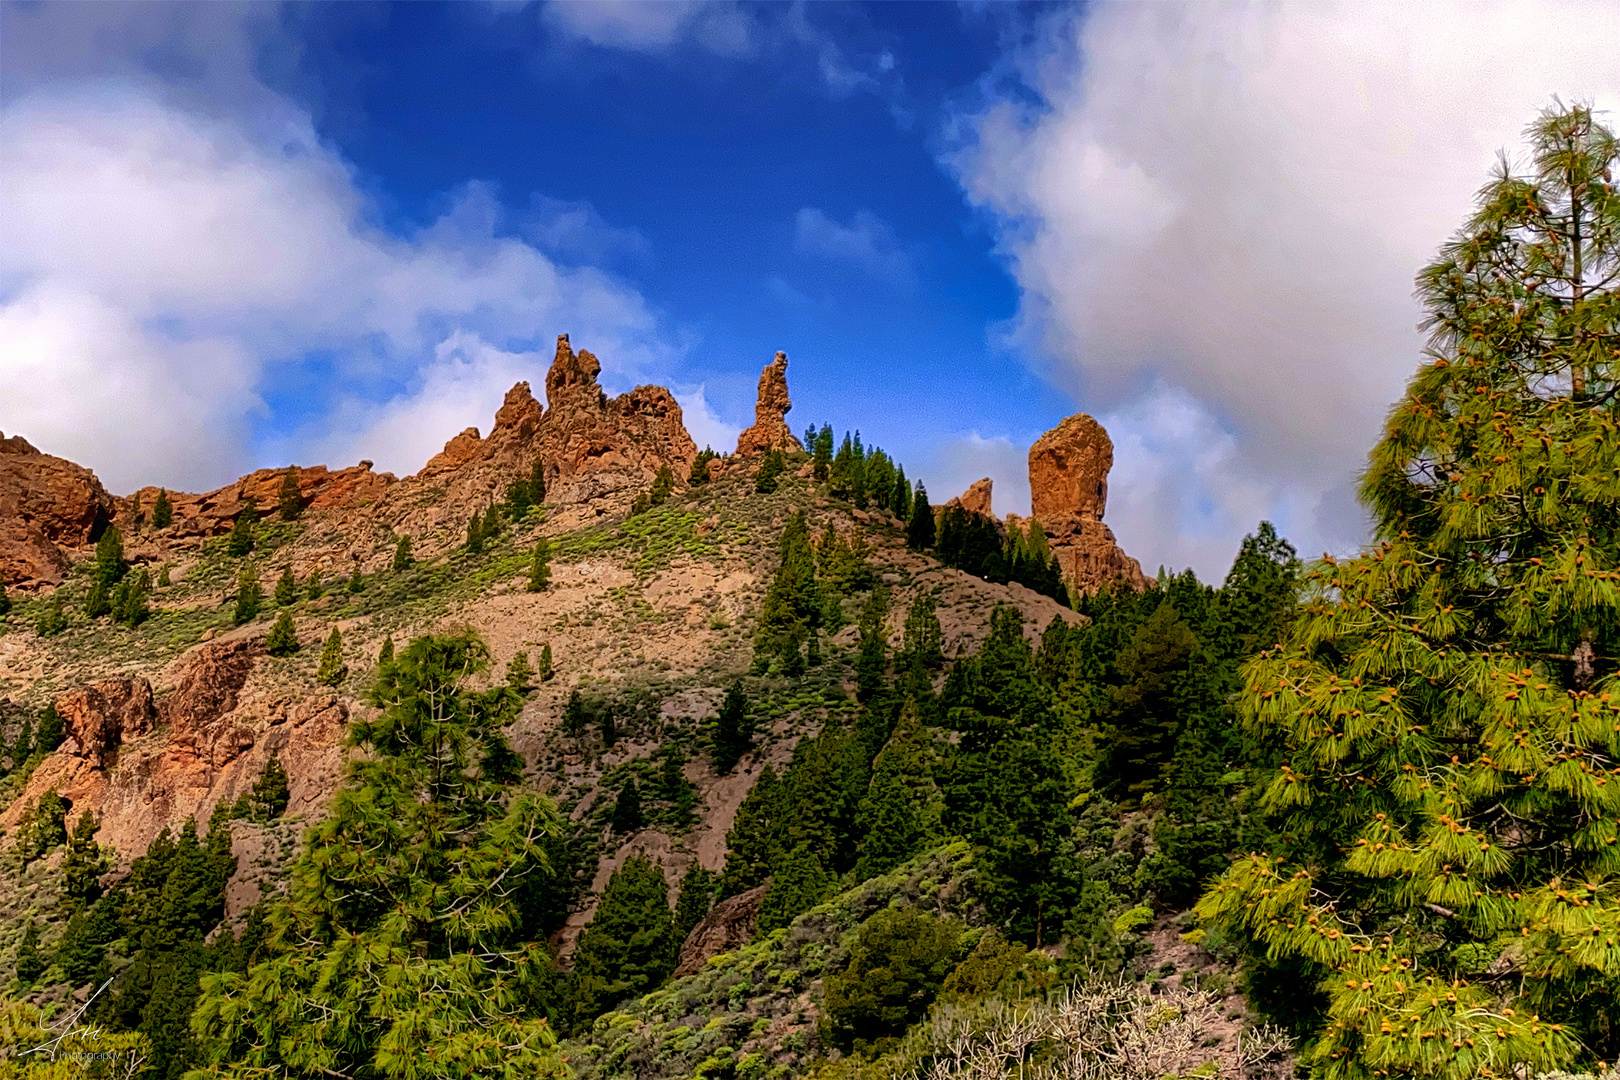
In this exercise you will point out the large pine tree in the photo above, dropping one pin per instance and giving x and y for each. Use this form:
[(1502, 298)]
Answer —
[(630, 945), (402, 947), (1450, 874)]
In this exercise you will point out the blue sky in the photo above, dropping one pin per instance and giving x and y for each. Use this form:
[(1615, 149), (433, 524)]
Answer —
[(241, 235)]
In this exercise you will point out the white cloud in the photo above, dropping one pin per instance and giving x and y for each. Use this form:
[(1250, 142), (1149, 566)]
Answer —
[(1215, 213), (654, 25), (159, 266), (958, 462), (867, 241), (706, 428), (572, 229)]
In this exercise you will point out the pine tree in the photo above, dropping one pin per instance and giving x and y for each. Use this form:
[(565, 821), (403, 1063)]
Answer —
[(97, 601), (163, 576), (1446, 699), (900, 497), (50, 733), (900, 812), (696, 898), (768, 477), (23, 748), (291, 502), (924, 640), (85, 862), (821, 454), (629, 946), (475, 534), (282, 641), (402, 555), (110, 565), (270, 793), (610, 725), (242, 539), (920, 523), (349, 983), (733, 730), (791, 612), (286, 593), (518, 499), (162, 510), (385, 655), (332, 670), (54, 620), (663, 486), (5, 601), (313, 589), (356, 584), (129, 607), (577, 714), (491, 527), (43, 827), (627, 816), (540, 565), (544, 670), (1258, 595), (798, 884), (700, 473), (249, 596), (871, 657), (753, 844), (30, 964), (519, 673)]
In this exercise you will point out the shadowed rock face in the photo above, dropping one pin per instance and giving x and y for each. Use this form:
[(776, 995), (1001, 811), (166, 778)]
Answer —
[(727, 926), (1068, 486), (770, 430)]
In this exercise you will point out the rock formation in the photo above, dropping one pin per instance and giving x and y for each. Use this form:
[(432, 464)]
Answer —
[(213, 513), (770, 430), (727, 926), (46, 504), (976, 499), (1068, 487)]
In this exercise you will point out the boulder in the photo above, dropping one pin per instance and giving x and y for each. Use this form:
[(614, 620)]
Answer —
[(976, 499), (727, 926), (1068, 486)]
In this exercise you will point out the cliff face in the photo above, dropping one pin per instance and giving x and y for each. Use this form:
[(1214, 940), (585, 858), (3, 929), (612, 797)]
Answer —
[(1068, 487), (770, 430), (46, 504)]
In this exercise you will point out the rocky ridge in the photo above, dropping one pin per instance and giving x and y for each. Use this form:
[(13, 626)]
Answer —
[(770, 430)]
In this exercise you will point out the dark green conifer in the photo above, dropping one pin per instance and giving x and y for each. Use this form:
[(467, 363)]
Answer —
[(920, 523), (610, 725), (475, 534), (282, 641), (268, 798), (519, 673), (700, 473), (900, 496), (51, 732), (30, 964), (821, 454), (163, 576), (162, 510), (242, 536), (416, 827), (290, 502), (627, 816), (798, 884), (663, 486), (629, 947), (733, 730), (577, 714), (313, 589), (871, 658), (519, 499), (23, 748), (769, 474), (897, 965), (753, 845), (791, 613), (491, 527), (286, 588), (249, 596), (543, 671), (385, 655), (332, 670), (97, 602), (84, 863), (540, 565), (537, 482), (696, 898), (641, 505), (403, 560), (5, 601), (110, 564), (357, 583)]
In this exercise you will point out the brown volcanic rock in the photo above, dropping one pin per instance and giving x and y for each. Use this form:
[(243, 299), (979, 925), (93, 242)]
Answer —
[(976, 499), (1068, 486), (46, 503), (98, 718), (592, 446), (211, 679), (727, 926), (214, 512), (770, 430)]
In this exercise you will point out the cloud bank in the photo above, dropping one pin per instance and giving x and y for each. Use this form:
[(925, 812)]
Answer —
[(167, 271), (1215, 214)]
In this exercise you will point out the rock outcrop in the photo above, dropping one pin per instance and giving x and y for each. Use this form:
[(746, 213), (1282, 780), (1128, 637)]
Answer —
[(976, 499), (1068, 486), (46, 504), (770, 430), (213, 513), (727, 926), (98, 718)]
